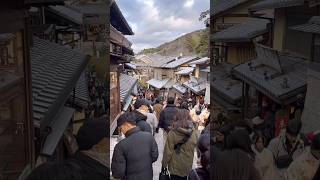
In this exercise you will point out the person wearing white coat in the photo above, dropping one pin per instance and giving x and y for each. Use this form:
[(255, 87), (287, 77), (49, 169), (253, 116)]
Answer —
[(306, 165), (264, 161)]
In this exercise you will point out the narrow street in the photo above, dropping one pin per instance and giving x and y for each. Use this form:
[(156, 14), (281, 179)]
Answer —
[(157, 164)]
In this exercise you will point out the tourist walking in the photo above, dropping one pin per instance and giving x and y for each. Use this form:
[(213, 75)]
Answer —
[(264, 161), (142, 106), (180, 146), (306, 165), (133, 156), (234, 164), (287, 147), (140, 109), (166, 117)]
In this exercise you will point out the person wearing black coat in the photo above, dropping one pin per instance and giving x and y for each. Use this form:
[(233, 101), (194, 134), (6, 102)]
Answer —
[(133, 156), (167, 115)]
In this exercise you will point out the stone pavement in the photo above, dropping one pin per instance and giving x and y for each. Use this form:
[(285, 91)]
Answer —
[(157, 164)]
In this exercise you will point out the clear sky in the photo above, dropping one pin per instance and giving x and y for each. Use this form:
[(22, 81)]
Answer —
[(158, 21)]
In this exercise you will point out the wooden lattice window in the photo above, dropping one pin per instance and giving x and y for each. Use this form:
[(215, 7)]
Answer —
[(4, 55)]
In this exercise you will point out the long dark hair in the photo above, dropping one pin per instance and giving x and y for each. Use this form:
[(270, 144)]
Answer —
[(257, 135), (240, 139), (234, 164), (182, 119)]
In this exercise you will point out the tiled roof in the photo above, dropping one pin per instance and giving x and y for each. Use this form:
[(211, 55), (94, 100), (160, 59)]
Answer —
[(224, 86), (153, 60), (67, 13), (221, 70), (185, 70), (242, 32), (118, 21), (55, 72), (228, 89), (281, 87), (181, 89), (127, 84), (158, 83), (313, 26), (220, 6), (82, 93), (179, 61), (195, 85), (201, 61), (77, 13), (272, 4)]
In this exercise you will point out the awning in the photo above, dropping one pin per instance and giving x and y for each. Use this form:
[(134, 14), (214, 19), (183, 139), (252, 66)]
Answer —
[(185, 71), (131, 66), (281, 87), (127, 84), (228, 89), (58, 127), (158, 83), (196, 86), (313, 26), (180, 88), (204, 60), (244, 32), (273, 4)]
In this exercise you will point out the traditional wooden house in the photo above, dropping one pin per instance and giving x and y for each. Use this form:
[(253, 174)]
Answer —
[(233, 45), (274, 74), (170, 72), (288, 13), (39, 106), (232, 32), (55, 72), (120, 53), (311, 110)]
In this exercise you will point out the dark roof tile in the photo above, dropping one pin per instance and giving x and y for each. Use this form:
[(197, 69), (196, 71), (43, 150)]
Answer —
[(60, 70)]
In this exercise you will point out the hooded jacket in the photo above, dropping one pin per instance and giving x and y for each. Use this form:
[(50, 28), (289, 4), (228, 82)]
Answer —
[(141, 122), (179, 163)]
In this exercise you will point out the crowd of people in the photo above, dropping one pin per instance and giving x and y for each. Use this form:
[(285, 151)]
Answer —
[(244, 150), (98, 101), (182, 136)]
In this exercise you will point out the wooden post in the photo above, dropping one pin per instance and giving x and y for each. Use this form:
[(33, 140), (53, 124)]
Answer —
[(246, 100), (242, 101)]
